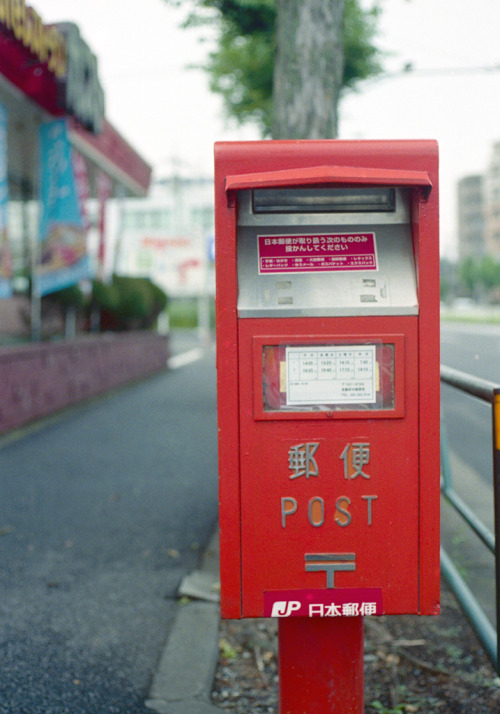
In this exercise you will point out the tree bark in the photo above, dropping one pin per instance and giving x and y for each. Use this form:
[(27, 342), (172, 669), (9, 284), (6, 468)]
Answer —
[(308, 68)]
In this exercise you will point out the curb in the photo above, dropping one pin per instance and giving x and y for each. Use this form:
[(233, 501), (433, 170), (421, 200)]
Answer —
[(185, 674)]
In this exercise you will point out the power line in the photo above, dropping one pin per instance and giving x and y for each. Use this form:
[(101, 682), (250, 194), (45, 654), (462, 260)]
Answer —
[(410, 71)]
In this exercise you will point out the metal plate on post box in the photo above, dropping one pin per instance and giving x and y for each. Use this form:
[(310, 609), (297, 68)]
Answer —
[(320, 264)]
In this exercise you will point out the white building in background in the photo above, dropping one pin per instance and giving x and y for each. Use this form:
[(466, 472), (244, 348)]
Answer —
[(471, 218), (492, 204), (167, 236)]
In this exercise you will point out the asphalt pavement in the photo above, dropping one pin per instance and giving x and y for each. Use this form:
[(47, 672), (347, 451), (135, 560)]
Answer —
[(471, 348), (104, 510)]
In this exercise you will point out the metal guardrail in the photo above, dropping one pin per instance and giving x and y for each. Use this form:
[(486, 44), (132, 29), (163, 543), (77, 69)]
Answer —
[(487, 392)]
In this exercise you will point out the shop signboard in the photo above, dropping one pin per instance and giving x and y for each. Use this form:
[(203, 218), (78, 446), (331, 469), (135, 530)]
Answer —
[(5, 254), (63, 258)]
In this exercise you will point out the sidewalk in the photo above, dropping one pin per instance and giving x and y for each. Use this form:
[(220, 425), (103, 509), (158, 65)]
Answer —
[(184, 678), (102, 512)]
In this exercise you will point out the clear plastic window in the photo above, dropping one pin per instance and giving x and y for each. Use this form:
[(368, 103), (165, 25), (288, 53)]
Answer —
[(324, 200), (328, 377)]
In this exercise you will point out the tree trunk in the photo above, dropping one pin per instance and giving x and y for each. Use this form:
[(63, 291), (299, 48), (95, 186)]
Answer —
[(308, 68)]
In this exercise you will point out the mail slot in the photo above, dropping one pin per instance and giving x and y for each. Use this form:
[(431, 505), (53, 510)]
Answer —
[(328, 377)]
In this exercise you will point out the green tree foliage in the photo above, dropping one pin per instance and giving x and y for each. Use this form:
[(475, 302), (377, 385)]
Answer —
[(489, 272), (241, 66), (362, 59), (128, 303), (469, 274), (480, 277)]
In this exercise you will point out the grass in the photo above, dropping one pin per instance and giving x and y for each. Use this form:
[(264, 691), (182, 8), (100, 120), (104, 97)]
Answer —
[(479, 315), (183, 312)]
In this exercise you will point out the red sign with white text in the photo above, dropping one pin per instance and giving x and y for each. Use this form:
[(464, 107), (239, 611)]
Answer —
[(333, 602), (317, 253)]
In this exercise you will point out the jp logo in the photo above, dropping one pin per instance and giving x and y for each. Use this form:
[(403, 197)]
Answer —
[(284, 608)]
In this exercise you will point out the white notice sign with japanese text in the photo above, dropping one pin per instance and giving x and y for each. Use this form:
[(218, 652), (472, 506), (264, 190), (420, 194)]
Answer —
[(334, 374)]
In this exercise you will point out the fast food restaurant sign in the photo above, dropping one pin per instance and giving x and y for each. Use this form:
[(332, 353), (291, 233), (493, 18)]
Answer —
[(65, 80), (44, 41)]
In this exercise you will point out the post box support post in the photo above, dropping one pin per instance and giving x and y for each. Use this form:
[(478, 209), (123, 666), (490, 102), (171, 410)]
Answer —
[(320, 665)]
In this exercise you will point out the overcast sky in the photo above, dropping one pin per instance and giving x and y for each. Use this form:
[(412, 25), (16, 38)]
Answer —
[(167, 113)]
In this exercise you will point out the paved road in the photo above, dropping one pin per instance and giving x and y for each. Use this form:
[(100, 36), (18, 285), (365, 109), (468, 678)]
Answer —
[(474, 349), (101, 514)]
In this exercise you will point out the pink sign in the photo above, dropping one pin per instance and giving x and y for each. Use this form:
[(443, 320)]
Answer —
[(331, 602), (317, 252)]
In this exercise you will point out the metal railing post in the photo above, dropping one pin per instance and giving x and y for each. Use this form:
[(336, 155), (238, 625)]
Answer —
[(488, 392), (496, 503), (445, 457)]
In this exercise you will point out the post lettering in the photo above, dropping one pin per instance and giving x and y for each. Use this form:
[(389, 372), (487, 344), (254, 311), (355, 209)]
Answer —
[(316, 512), (343, 521), (369, 500), (288, 506)]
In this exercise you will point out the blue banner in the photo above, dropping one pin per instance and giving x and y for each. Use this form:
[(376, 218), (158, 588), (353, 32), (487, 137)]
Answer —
[(5, 254), (63, 251)]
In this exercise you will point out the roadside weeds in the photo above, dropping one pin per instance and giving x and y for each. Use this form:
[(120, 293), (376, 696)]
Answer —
[(429, 665)]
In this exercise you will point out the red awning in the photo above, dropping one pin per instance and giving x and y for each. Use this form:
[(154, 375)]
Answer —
[(111, 153)]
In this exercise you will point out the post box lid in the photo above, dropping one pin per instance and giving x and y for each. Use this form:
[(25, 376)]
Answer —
[(330, 174)]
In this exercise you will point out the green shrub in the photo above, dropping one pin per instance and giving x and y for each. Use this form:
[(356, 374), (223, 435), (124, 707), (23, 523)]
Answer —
[(71, 296), (128, 303)]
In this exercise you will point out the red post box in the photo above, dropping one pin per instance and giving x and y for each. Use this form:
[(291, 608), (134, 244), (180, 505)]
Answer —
[(327, 269)]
